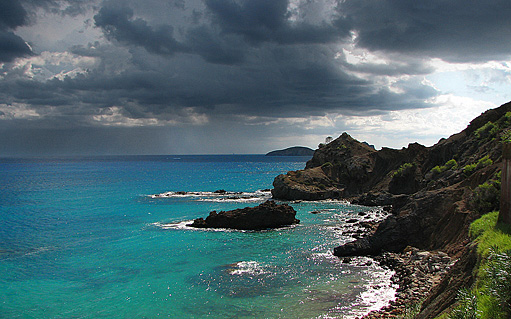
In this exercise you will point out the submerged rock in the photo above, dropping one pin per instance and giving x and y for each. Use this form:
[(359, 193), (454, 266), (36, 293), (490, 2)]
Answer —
[(265, 216)]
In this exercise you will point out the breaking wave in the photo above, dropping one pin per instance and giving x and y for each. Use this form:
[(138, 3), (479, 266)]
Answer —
[(218, 196)]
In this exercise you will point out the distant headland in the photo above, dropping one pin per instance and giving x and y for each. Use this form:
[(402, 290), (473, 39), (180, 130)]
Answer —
[(293, 151)]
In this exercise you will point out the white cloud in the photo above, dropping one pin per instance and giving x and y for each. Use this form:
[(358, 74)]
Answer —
[(448, 115), (48, 65)]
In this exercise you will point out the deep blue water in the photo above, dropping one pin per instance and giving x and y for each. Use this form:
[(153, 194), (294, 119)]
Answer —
[(83, 238)]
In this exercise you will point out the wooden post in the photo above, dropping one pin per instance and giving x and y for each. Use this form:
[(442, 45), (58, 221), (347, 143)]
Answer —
[(505, 189)]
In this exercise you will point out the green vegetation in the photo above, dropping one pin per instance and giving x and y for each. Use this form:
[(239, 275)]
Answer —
[(486, 197), (491, 296), (449, 165), (506, 136), (491, 130), (326, 165), (342, 147), (487, 130), (490, 235), (467, 309), (403, 169), (483, 162)]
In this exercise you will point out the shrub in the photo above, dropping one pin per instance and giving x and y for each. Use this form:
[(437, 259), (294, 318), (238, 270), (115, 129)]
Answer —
[(482, 162), (486, 197), (499, 275), (487, 130), (449, 165), (436, 170), (403, 169), (506, 136), (469, 169), (467, 306)]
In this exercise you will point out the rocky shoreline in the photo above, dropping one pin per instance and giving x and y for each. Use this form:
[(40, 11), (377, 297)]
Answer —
[(416, 273)]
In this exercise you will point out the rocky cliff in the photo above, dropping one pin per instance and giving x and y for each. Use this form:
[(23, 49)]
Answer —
[(433, 193)]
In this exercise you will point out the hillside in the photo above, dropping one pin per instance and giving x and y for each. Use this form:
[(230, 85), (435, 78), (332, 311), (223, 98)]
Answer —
[(433, 193)]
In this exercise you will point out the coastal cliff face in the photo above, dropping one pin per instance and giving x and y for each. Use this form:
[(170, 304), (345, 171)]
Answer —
[(433, 193)]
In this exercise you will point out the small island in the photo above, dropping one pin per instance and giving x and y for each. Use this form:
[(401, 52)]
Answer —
[(293, 151)]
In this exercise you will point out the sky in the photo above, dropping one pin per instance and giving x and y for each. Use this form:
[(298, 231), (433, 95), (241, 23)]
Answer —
[(94, 77)]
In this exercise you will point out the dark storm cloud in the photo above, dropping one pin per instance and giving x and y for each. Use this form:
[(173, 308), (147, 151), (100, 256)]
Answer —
[(455, 30), (268, 21), (12, 47), (12, 15), (241, 27), (118, 23)]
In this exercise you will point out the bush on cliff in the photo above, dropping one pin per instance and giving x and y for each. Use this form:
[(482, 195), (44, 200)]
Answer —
[(486, 197), (483, 162), (449, 165)]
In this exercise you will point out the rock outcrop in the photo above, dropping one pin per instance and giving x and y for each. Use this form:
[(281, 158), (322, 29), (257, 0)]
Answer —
[(265, 216), (347, 167)]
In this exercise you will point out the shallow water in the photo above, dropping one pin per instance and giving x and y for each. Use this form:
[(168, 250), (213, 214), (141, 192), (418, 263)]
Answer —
[(88, 238)]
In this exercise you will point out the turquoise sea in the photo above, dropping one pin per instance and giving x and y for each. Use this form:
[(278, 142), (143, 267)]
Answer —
[(106, 237)]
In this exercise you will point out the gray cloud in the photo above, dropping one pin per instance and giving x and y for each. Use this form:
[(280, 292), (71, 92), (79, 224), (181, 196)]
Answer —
[(118, 23), (12, 47), (12, 14), (267, 21), (458, 30), (18, 13)]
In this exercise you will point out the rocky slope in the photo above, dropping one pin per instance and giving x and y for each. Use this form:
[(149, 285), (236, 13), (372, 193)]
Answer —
[(433, 193)]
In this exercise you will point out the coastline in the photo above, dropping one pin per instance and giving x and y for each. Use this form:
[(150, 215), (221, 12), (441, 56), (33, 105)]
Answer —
[(416, 273)]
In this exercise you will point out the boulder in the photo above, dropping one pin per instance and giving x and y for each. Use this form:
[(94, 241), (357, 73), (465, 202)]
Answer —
[(265, 216)]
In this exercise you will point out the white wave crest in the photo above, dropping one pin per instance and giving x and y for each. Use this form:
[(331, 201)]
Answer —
[(250, 268), (218, 196)]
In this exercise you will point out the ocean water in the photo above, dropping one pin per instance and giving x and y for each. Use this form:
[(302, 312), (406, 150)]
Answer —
[(106, 237)]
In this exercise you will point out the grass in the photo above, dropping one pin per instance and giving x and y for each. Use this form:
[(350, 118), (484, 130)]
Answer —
[(491, 296), (490, 236)]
